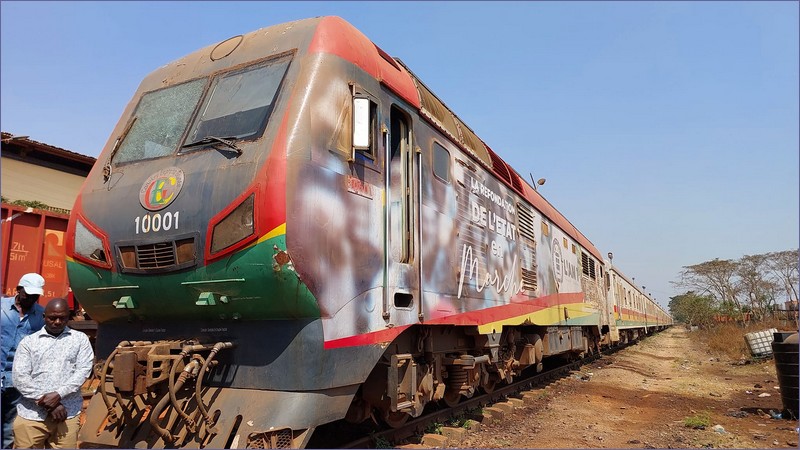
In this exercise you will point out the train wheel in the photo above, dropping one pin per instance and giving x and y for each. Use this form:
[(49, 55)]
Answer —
[(490, 385), (451, 398), (395, 419)]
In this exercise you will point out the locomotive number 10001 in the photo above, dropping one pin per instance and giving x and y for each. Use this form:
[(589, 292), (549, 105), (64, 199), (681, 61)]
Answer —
[(156, 222)]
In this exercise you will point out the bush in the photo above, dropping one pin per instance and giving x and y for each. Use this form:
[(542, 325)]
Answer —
[(727, 339), (698, 421)]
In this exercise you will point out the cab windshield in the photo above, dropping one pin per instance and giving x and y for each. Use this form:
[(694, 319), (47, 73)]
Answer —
[(239, 103), (237, 107), (159, 122)]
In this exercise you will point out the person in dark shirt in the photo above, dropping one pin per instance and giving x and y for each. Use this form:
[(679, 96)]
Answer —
[(20, 316)]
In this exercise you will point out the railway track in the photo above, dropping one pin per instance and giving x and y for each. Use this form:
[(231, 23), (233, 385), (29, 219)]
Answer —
[(343, 435)]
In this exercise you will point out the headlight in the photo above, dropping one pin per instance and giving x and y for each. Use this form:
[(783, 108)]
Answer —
[(236, 226)]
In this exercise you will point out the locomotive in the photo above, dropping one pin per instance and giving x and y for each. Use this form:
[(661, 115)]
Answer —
[(288, 228)]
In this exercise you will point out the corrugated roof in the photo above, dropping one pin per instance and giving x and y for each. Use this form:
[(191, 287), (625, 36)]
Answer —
[(57, 151)]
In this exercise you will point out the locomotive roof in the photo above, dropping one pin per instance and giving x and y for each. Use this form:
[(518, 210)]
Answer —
[(334, 35)]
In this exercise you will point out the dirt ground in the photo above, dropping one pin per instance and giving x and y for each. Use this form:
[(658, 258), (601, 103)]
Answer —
[(642, 396)]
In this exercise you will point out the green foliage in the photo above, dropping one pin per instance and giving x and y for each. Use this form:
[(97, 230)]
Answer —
[(26, 203), (35, 204), (459, 421), (381, 442), (752, 287), (693, 309), (434, 428), (698, 421), (729, 308)]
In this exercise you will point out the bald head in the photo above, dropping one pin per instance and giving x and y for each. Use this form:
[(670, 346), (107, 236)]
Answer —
[(56, 316), (56, 304)]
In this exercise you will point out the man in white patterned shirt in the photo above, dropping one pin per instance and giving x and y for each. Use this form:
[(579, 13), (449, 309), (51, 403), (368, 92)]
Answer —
[(49, 368)]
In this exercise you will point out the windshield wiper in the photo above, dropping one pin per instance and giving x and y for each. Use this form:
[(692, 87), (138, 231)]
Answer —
[(228, 141), (107, 169)]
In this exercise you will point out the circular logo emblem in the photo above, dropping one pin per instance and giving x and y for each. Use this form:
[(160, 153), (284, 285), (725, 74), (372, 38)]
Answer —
[(558, 263), (161, 188)]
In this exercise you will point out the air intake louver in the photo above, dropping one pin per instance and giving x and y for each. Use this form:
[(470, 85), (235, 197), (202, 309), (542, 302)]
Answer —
[(155, 256), (158, 257)]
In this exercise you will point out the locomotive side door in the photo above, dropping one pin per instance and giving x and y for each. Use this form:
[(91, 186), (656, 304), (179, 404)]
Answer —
[(401, 279)]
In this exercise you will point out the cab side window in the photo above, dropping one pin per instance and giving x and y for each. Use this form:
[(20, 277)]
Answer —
[(441, 162), (365, 128)]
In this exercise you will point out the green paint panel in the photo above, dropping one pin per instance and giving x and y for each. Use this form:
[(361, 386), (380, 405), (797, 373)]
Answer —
[(247, 285), (591, 319)]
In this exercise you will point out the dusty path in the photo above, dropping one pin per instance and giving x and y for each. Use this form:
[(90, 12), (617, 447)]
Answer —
[(640, 398)]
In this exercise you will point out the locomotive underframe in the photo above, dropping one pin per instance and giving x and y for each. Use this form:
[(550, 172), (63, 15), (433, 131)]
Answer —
[(445, 363), (164, 393), (159, 394)]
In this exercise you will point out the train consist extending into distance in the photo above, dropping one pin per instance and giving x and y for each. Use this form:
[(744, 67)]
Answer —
[(288, 228)]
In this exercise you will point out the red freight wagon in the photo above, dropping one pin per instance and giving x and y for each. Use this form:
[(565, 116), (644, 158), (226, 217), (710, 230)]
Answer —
[(33, 241)]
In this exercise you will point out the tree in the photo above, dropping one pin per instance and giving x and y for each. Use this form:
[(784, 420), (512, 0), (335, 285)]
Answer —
[(693, 309), (717, 277), (756, 284), (784, 269)]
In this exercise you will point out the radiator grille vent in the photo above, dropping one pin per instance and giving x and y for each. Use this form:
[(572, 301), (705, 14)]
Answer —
[(158, 257), (155, 256)]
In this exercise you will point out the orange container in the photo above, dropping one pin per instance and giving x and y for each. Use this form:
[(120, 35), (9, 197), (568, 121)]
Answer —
[(34, 241)]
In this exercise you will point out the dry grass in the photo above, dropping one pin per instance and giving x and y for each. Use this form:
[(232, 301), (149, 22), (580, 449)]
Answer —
[(727, 339)]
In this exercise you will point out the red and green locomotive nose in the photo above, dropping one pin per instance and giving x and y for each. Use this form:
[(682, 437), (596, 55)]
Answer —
[(163, 258)]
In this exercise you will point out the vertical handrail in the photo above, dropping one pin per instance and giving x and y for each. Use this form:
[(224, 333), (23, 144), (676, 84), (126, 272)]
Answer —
[(386, 201), (420, 313)]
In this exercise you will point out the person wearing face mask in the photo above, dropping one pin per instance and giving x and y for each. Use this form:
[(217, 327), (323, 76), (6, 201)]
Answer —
[(21, 315)]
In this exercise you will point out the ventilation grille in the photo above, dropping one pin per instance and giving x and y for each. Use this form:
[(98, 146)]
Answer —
[(525, 222), (499, 166), (529, 280), (587, 264), (271, 439), (158, 257), (516, 181), (505, 171)]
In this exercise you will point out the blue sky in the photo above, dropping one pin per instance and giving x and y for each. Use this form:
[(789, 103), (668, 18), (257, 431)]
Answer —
[(667, 131)]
